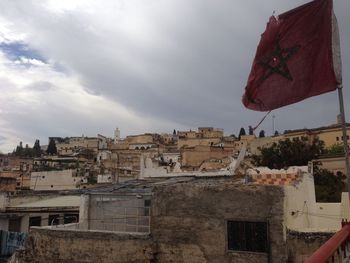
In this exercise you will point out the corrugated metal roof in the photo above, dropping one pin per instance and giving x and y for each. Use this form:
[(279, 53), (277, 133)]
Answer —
[(61, 201)]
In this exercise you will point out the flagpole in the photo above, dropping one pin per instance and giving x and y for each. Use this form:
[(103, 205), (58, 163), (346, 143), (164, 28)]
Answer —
[(345, 137)]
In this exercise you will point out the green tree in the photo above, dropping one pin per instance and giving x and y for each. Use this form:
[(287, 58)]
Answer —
[(19, 149), (335, 150), (288, 153), (241, 133), (328, 186), (261, 134), (27, 152), (251, 131), (276, 133), (37, 149), (51, 148)]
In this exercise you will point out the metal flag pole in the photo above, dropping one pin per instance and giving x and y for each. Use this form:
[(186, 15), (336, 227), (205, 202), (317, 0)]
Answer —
[(345, 137)]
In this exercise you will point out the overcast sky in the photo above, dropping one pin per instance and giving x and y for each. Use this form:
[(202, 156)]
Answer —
[(69, 68)]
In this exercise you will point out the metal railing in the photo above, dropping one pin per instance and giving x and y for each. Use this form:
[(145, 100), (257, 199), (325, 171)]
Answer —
[(136, 221), (335, 249)]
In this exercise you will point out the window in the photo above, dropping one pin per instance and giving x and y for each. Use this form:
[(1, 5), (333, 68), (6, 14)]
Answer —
[(53, 220), (337, 138), (147, 203), (35, 221), (71, 218), (247, 236)]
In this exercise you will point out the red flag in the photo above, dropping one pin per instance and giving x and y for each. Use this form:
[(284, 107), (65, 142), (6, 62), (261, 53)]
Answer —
[(298, 57)]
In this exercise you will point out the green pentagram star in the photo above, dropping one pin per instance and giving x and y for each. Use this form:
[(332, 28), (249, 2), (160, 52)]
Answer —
[(276, 62)]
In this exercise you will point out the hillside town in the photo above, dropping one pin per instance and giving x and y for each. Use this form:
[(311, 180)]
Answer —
[(169, 170), (78, 190)]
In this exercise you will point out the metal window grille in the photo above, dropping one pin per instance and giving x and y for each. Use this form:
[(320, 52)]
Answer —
[(247, 236)]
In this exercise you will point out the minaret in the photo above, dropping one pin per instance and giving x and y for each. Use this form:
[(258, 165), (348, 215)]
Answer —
[(116, 135)]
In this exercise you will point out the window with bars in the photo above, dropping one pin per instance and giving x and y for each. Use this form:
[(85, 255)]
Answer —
[(247, 236)]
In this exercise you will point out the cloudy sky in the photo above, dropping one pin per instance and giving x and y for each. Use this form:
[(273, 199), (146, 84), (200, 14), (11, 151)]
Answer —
[(69, 67)]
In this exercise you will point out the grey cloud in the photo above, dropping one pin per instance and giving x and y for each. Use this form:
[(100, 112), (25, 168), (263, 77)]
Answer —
[(193, 72)]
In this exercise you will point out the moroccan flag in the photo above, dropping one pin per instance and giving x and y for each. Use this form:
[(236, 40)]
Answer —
[(298, 57)]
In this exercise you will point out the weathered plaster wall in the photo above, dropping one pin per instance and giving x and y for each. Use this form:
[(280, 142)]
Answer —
[(73, 246), (194, 157), (301, 245), (55, 180), (189, 220)]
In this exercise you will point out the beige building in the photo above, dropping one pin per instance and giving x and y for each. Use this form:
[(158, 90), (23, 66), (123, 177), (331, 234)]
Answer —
[(140, 139), (193, 158), (205, 136), (330, 135), (259, 143), (74, 144), (56, 180)]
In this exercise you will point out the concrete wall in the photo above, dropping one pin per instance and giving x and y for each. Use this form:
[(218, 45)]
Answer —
[(194, 157), (189, 221), (303, 214), (54, 180), (300, 203), (301, 245)]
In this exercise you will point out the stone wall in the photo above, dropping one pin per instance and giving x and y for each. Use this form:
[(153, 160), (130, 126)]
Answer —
[(73, 246), (302, 244), (189, 220)]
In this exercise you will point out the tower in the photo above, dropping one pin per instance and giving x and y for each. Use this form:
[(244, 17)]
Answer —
[(116, 135)]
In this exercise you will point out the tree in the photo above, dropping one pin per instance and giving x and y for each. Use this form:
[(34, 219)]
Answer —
[(328, 186), (335, 150), (276, 133), (289, 152), (251, 131), (241, 133), (19, 149), (37, 149), (261, 134), (27, 152), (51, 148)]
